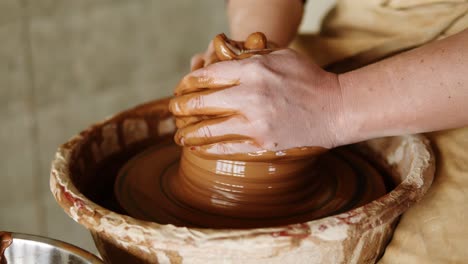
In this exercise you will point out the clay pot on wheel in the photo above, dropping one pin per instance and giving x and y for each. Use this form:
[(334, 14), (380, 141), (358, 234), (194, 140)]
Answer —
[(356, 236)]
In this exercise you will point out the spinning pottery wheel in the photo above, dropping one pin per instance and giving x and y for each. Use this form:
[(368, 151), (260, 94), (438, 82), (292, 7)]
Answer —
[(147, 188), (132, 216)]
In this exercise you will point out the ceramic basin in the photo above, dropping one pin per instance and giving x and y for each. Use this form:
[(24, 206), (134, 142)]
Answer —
[(356, 236)]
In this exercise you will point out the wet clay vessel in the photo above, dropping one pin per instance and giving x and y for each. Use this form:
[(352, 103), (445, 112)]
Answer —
[(154, 186), (86, 192)]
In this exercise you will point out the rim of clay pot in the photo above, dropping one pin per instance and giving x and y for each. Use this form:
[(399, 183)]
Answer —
[(385, 209)]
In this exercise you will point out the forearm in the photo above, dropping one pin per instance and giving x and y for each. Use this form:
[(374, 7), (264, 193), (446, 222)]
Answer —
[(278, 19), (425, 89)]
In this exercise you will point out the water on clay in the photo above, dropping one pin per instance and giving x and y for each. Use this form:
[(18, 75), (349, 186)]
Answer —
[(151, 186)]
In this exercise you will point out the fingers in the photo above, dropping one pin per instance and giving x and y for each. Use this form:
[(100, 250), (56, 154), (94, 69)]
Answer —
[(183, 121), (201, 60), (205, 103), (210, 58), (231, 128), (190, 84), (215, 76), (224, 48), (197, 62), (238, 149)]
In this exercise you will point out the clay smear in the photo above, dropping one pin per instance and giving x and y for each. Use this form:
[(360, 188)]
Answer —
[(5, 241)]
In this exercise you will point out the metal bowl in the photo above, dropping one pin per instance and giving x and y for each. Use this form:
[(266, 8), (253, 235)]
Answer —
[(27, 249)]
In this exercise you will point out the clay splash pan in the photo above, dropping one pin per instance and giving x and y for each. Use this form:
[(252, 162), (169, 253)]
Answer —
[(86, 192)]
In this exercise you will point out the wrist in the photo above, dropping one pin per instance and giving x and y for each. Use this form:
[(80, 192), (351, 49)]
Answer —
[(337, 127), (349, 125), (278, 19)]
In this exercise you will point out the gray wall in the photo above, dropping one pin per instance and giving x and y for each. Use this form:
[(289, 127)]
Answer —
[(65, 64)]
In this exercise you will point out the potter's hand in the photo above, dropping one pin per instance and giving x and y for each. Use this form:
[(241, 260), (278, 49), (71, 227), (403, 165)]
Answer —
[(276, 101), (203, 59), (278, 19), (221, 48)]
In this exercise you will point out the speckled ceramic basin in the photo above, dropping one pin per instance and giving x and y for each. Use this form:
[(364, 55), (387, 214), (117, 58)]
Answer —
[(357, 236)]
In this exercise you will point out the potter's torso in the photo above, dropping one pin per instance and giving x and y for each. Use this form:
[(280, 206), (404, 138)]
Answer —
[(357, 33)]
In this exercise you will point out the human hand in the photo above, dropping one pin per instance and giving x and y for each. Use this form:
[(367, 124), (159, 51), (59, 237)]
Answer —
[(221, 48), (203, 59), (270, 102)]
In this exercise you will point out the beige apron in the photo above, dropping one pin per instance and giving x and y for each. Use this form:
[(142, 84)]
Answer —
[(359, 32)]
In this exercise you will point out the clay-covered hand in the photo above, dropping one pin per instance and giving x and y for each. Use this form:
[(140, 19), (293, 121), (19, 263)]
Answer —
[(221, 48), (203, 59), (276, 101)]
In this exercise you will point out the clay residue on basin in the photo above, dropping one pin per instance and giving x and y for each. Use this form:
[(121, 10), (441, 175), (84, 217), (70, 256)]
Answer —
[(5, 241)]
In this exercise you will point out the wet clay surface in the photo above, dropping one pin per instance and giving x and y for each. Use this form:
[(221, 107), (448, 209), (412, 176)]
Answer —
[(5, 241), (192, 187), (153, 186)]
